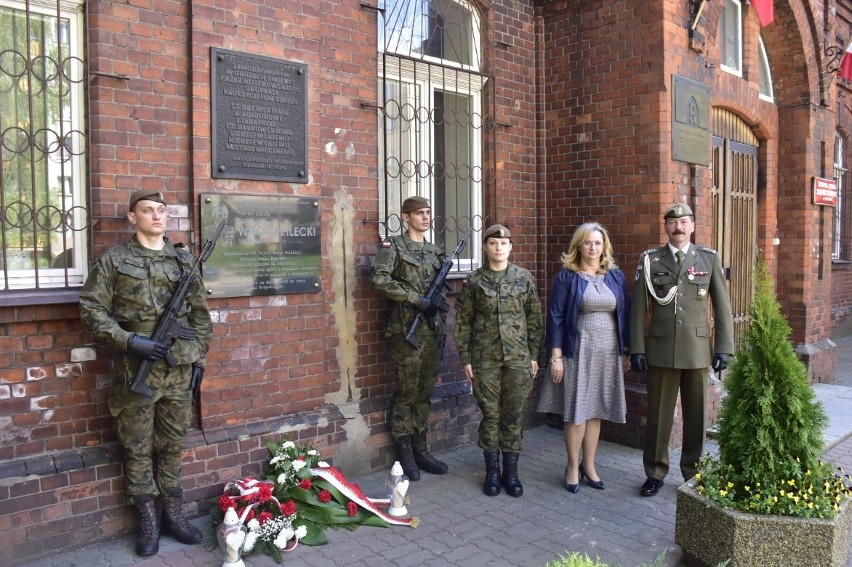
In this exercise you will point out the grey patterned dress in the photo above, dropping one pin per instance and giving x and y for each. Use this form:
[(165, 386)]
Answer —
[(593, 381)]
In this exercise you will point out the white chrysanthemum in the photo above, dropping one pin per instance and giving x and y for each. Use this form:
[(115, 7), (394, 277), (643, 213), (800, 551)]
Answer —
[(323, 465), (251, 539), (297, 466), (301, 532), (274, 460), (282, 478), (284, 536), (288, 445), (253, 525), (313, 452)]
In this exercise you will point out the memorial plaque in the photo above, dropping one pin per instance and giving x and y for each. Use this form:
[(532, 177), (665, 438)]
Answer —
[(690, 121), (270, 245), (259, 117)]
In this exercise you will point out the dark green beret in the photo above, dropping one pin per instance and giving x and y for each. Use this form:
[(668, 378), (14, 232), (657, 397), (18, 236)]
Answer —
[(497, 231), (414, 204), (146, 195), (677, 210)]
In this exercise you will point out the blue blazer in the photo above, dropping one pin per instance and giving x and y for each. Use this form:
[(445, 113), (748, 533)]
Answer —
[(564, 308)]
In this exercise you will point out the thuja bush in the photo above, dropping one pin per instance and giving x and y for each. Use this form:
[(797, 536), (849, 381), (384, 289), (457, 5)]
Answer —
[(770, 426)]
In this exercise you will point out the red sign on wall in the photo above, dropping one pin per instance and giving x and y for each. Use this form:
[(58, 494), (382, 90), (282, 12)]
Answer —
[(825, 192)]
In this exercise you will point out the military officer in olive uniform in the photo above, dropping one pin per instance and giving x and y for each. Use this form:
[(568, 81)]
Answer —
[(498, 335), (403, 270), (121, 302), (676, 283)]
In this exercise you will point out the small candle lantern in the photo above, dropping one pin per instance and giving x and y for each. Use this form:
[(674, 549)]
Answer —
[(396, 486), (231, 535)]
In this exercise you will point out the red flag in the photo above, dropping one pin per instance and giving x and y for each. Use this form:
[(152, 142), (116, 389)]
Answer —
[(765, 11), (845, 71)]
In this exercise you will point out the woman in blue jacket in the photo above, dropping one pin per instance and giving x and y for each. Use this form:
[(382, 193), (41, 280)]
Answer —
[(587, 326)]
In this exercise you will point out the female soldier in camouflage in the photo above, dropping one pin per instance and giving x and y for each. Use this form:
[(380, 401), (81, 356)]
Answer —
[(121, 302), (498, 335)]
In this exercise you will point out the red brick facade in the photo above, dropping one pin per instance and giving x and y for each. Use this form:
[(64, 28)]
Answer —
[(583, 95)]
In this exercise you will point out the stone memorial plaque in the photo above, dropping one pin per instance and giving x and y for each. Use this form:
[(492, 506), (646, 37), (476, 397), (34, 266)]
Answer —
[(270, 245), (259, 117), (690, 121)]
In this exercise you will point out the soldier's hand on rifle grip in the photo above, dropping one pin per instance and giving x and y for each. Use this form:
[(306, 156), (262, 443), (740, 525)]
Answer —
[(147, 348), (195, 381), (426, 307)]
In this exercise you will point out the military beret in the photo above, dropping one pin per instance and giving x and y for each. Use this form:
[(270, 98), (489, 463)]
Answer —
[(414, 204), (147, 195), (497, 231), (677, 210)]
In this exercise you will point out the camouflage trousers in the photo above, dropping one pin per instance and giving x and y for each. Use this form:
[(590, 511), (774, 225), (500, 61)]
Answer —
[(416, 373), (501, 392), (152, 431)]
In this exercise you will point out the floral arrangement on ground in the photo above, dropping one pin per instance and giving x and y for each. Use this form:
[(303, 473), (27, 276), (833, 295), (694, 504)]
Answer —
[(299, 499)]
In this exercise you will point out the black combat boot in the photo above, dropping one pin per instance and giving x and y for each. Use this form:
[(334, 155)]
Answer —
[(406, 458), (492, 473), (174, 522), (148, 530), (424, 458), (510, 479)]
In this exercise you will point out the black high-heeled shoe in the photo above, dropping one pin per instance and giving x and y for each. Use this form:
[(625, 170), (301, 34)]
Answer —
[(572, 488), (596, 484)]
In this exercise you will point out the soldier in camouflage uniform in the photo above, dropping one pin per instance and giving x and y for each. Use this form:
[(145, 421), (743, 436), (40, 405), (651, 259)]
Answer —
[(403, 270), (121, 302), (498, 334), (676, 283)]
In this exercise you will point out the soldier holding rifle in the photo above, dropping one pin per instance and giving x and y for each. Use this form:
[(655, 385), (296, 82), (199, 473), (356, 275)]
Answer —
[(122, 301), (404, 269)]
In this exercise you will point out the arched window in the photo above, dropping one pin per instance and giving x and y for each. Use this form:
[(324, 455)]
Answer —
[(435, 126), (732, 37), (842, 231), (767, 93)]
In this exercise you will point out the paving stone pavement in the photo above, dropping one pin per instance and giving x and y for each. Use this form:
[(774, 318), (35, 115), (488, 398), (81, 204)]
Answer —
[(462, 527)]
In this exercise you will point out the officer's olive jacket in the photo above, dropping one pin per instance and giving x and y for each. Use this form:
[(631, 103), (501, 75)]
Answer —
[(681, 338), (130, 287), (498, 322), (564, 309), (403, 270)]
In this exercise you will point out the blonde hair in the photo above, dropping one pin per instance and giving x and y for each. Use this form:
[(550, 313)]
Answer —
[(573, 260)]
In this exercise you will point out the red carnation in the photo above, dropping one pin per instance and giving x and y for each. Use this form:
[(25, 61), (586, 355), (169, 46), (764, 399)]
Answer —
[(288, 508), (264, 517), (353, 508), (324, 496), (264, 492), (225, 502), (306, 484)]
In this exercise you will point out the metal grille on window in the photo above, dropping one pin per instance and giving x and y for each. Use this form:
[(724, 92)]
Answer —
[(43, 217), (436, 128)]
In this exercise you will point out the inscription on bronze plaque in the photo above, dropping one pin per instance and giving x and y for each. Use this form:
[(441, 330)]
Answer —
[(690, 121), (259, 117), (270, 245)]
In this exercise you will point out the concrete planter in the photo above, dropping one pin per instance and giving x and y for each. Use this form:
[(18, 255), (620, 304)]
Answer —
[(709, 535)]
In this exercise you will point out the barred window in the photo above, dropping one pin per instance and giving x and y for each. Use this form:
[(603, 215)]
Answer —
[(43, 215), (436, 125)]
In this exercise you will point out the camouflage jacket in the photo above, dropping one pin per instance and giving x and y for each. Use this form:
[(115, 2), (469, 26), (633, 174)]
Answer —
[(129, 288), (498, 320), (403, 270)]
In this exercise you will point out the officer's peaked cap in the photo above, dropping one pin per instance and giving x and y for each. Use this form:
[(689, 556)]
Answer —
[(677, 210)]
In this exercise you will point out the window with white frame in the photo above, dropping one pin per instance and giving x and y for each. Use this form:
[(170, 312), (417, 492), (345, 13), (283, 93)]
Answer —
[(435, 101), (767, 93), (842, 231), (43, 214), (731, 28)]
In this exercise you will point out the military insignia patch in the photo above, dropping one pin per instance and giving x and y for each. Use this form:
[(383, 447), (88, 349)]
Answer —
[(702, 293)]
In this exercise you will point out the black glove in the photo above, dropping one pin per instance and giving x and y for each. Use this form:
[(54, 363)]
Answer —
[(195, 381), (720, 361), (638, 362), (426, 307), (147, 348)]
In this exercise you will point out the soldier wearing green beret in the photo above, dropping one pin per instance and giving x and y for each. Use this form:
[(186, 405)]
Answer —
[(676, 283), (498, 334), (403, 270), (121, 302)]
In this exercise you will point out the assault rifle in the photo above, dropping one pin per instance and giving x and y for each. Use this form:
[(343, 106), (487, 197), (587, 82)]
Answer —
[(169, 329), (434, 296)]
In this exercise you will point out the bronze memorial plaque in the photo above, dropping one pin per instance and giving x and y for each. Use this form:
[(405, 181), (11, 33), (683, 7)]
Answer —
[(270, 245), (259, 118), (690, 121)]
